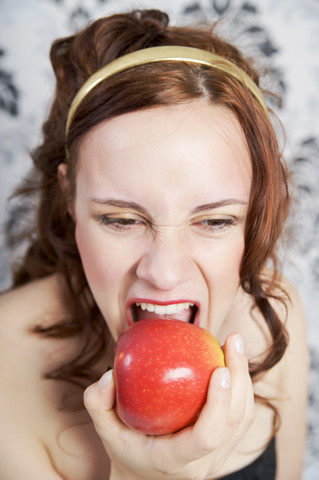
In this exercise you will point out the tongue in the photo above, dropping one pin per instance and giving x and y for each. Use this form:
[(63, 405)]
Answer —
[(184, 315)]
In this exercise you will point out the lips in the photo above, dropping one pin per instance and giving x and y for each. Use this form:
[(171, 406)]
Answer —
[(181, 310)]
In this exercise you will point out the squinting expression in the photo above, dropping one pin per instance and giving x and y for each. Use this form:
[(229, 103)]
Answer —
[(160, 209)]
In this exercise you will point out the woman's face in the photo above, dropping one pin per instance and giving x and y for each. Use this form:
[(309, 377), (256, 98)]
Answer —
[(160, 210)]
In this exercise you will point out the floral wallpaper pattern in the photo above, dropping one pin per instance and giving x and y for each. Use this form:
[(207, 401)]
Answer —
[(283, 34)]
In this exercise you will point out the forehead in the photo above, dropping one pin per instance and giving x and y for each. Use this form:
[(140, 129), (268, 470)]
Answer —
[(191, 146)]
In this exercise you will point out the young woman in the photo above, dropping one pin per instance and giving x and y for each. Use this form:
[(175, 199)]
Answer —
[(159, 181)]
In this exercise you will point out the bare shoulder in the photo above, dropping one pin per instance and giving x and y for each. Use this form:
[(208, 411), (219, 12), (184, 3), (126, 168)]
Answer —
[(21, 309), (52, 443), (285, 384), (288, 305), (22, 353), (293, 394), (23, 400), (29, 303), (291, 313), (286, 301)]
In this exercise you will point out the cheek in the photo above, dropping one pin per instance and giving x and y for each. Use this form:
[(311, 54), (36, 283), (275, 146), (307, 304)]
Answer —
[(233, 261), (227, 256), (235, 257), (223, 279), (96, 259), (224, 268)]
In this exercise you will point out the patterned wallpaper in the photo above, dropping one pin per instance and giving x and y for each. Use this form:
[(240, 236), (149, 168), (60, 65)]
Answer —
[(283, 34)]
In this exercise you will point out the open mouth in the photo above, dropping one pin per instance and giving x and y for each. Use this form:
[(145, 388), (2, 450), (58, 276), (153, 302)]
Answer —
[(185, 311)]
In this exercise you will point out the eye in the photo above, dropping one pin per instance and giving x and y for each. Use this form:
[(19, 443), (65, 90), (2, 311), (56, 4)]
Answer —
[(121, 224), (218, 223), (215, 226)]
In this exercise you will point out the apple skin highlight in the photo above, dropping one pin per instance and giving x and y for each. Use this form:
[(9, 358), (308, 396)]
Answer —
[(162, 370)]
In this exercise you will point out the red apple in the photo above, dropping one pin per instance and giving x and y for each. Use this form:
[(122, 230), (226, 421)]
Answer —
[(162, 370)]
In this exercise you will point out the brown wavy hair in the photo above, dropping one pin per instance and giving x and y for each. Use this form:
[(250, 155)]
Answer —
[(52, 247)]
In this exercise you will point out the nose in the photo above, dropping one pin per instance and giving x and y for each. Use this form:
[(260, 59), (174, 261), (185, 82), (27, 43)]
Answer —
[(166, 264)]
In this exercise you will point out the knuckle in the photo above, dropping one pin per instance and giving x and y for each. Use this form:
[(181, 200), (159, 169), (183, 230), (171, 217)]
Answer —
[(251, 416), (244, 418), (206, 444), (235, 419), (89, 398)]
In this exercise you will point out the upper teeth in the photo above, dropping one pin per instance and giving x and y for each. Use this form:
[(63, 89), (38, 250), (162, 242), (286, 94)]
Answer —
[(165, 309)]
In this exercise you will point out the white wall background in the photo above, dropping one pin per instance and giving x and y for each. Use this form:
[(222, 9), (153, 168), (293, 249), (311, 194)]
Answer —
[(285, 36)]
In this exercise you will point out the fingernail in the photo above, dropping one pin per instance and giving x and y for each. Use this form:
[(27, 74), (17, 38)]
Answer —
[(224, 378), (105, 379), (239, 344)]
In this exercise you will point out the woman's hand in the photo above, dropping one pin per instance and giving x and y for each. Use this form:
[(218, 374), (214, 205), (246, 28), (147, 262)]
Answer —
[(196, 452)]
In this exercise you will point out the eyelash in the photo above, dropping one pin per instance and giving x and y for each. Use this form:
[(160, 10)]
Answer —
[(210, 226), (217, 224), (118, 224)]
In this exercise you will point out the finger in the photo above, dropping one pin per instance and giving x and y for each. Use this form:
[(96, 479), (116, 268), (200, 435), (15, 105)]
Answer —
[(212, 421), (242, 408), (237, 363), (250, 406), (250, 412), (99, 400), (100, 396)]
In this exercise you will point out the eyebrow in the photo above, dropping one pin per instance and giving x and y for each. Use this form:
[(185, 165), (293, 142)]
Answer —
[(221, 203), (136, 206), (114, 202)]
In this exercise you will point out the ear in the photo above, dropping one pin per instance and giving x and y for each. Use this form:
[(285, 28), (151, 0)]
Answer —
[(62, 176), (64, 183)]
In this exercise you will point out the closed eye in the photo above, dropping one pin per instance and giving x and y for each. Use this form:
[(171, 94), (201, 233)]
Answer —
[(218, 223), (120, 224), (215, 226)]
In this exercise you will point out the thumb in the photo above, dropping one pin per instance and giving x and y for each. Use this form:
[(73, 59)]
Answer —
[(100, 397)]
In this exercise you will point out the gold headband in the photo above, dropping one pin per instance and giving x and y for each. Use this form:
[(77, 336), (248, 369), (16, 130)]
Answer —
[(160, 54)]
